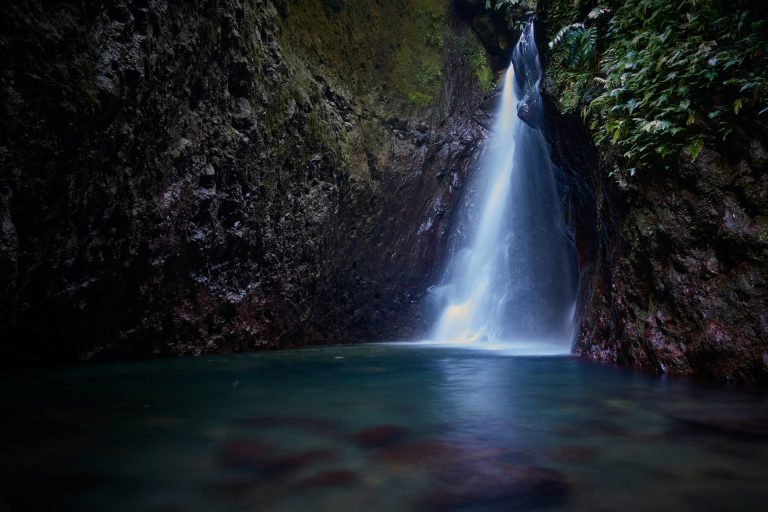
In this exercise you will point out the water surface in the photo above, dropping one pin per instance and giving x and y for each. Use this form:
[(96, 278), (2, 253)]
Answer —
[(377, 428)]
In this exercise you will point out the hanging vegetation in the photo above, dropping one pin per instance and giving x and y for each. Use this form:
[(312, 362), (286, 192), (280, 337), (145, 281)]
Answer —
[(672, 76)]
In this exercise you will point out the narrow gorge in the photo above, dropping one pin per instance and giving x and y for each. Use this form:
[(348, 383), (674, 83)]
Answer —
[(248, 249), (187, 179)]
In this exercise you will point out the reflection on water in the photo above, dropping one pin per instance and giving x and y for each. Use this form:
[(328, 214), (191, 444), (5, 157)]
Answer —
[(377, 428)]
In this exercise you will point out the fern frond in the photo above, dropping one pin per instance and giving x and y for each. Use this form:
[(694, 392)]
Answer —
[(598, 11), (563, 32), (579, 45), (498, 4)]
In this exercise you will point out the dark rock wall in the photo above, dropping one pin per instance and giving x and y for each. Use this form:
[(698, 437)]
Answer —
[(679, 283), (673, 263), (192, 177)]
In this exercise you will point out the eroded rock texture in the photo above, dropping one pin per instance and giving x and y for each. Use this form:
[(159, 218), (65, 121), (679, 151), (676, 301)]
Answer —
[(673, 262), (194, 177), (679, 283)]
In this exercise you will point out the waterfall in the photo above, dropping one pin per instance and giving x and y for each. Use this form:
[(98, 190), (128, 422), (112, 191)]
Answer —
[(514, 283)]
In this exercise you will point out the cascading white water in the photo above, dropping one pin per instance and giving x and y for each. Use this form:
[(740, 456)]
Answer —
[(514, 284)]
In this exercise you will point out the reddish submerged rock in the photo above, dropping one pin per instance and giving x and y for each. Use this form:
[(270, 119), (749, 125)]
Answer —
[(745, 429), (414, 454), (499, 486), (330, 478), (268, 461), (573, 454), (383, 435)]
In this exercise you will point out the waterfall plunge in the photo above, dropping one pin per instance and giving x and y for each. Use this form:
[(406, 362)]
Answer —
[(514, 285)]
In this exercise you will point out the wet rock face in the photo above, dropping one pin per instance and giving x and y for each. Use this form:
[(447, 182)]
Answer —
[(681, 275), (498, 29), (191, 179), (673, 263)]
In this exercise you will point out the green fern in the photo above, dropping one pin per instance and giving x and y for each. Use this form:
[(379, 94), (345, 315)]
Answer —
[(579, 46), (582, 46), (498, 4), (598, 11), (659, 79), (678, 74), (563, 31)]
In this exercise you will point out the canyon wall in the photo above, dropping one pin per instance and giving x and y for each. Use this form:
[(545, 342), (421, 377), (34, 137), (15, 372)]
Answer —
[(201, 177), (197, 177)]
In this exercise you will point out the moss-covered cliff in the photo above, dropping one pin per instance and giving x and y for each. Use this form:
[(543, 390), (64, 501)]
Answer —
[(189, 178)]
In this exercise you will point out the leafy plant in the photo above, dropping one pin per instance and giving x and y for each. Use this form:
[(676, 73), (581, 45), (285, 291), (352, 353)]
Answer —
[(499, 4), (687, 74), (763, 237), (579, 44), (673, 76), (575, 58)]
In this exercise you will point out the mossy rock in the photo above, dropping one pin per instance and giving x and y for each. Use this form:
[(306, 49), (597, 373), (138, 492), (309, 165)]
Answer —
[(398, 43)]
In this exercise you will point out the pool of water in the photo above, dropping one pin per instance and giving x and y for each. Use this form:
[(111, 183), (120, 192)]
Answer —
[(377, 428)]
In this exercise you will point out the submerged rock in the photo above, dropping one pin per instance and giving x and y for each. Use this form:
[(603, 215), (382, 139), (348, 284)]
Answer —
[(744, 429), (500, 487), (267, 461), (573, 454), (245, 452), (383, 435), (429, 454), (330, 478)]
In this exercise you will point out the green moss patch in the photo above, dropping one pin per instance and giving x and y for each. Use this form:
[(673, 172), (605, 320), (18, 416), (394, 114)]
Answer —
[(473, 53), (397, 42)]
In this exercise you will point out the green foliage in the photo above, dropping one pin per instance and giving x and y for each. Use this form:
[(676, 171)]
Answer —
[(499, 4), (423, 82), (673, 75), (575, 58), (763, 238), (578, 45)]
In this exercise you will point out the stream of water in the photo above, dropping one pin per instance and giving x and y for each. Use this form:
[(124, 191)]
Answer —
[(514, 284)]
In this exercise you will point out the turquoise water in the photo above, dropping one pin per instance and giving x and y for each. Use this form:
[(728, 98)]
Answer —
[(377, 428)]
